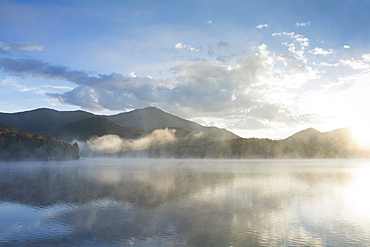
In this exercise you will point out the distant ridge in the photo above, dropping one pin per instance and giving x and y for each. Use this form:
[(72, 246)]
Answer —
[(42, 120), (339, 138)]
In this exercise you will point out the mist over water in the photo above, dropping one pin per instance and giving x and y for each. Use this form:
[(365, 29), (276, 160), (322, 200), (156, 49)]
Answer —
[(111, 144), (146, 202)]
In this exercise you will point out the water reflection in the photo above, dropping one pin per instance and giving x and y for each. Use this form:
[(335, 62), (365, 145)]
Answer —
[(185, 203)]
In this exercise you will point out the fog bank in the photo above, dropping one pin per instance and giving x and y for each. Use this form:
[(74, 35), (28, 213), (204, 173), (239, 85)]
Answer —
[(111, 144)]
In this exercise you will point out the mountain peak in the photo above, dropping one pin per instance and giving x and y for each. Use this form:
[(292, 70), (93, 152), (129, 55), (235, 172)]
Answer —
[(310, 130), (151, 118), (307, 135), (150, 109)]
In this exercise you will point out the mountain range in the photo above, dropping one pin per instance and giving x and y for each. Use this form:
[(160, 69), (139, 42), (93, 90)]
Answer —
[(62, 124), (190, 140)]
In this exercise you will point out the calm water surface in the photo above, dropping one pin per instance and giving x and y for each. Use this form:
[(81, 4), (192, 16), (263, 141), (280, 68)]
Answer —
[(133, 202)]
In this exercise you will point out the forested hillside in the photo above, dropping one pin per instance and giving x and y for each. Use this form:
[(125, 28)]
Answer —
[(16, 146)]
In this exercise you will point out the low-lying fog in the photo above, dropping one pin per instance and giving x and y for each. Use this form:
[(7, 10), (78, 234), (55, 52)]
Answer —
[(111, 144)]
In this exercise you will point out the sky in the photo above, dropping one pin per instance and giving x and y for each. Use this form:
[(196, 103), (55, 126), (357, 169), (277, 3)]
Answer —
[(258, 68)]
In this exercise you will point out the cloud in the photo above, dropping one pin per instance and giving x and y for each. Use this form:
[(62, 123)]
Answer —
[(248, 122), (346, 47), (131, 74), (206, 87), (328, 64), (223, 44), (355, 64), (366, 57), (57, 87), (188, 48), (35, 67), (303, 41), (262, 26), (209, 22), (198, 85), (321, 51), (303, 24), (17, 86), (270, 112), (298, 46), (287, 59), (21, 46)]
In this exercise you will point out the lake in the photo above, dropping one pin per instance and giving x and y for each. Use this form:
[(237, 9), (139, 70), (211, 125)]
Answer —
[(154, 202)]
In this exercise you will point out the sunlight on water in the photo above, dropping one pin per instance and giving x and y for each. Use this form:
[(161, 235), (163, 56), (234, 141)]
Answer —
[(357, 195)]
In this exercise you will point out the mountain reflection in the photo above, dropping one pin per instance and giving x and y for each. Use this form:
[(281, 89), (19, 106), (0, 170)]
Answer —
[(180, 203), (151, 187)]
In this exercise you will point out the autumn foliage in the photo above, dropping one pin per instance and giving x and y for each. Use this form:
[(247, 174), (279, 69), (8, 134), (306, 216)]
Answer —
[(16, 146)]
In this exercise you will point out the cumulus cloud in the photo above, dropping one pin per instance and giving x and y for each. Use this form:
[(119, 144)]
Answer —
[(346, 47), (297, 46), (366, 57), (355, 64), (321, 51), (262, 26), (21, 46), (208, 87), (187, 48), (297, 37)]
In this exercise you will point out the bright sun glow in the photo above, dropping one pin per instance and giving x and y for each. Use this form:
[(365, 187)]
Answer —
[(360, 128), (356, 112), (361, 134)]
